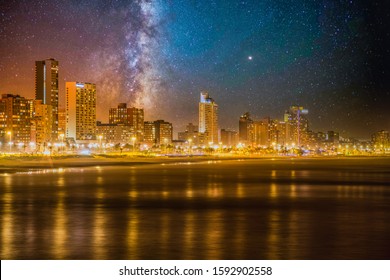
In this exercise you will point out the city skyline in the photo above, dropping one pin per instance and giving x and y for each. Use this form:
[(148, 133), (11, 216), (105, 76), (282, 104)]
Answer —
[(195, 130), (287, 128), (257, 56)]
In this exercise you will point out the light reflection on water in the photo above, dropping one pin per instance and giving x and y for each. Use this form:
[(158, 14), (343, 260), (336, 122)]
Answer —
[(7, 232), (216, 210)]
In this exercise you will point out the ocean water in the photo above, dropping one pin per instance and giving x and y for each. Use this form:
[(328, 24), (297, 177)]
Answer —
[(233, 209)]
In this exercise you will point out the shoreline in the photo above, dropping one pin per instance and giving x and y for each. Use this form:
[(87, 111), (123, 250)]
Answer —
[(23, 163)]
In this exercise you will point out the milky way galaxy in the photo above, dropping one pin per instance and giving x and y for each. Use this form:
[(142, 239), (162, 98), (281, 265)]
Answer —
[(126, 68)]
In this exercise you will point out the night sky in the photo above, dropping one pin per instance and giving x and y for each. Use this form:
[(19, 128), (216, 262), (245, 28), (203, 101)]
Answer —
[(260, 56)]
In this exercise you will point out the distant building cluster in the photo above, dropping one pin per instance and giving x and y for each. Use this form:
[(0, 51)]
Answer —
[(41, 123), (293, 130)]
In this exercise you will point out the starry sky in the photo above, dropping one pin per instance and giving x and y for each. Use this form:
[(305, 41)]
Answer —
[(261, 56)]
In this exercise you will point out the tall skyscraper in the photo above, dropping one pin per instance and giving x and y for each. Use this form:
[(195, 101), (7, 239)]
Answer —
[(297, 125), (208, 118), (80, 111), (46, 89)]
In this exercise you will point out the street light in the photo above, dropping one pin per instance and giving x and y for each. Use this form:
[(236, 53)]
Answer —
[(10, 140)]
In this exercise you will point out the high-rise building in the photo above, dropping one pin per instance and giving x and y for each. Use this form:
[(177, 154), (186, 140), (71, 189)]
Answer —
[(245, 128), (297, 125), (261, 132), (274, 132), (46, 89), (208, 118), (133, 117), (15, 118), (282, 140), (80, 111)]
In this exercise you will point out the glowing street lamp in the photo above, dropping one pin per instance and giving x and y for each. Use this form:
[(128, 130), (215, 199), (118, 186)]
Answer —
[(32, 145), (9, 133)]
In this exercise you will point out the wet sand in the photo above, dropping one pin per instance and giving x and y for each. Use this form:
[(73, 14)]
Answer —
[(23, 163)]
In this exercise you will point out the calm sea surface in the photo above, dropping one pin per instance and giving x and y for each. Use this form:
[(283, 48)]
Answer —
[(240, 209)]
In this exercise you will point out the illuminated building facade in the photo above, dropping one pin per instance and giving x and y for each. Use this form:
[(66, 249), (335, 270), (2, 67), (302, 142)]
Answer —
[(46, 89), (15, 118), (381, 139), (261, 133), (132, 116), (61, 121), (269, 132), (273, 132), (158, 132), (80, 111), (297, 125), (114, 133), (149, 133), (42, 123), (164, 132), (281, 133), (208, 118)]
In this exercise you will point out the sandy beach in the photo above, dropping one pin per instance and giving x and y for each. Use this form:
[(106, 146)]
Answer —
[(10, 164), (20, 163)]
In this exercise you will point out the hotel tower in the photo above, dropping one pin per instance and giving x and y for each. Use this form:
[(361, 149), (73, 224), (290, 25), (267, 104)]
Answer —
[(46, 89), (208, 118)]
